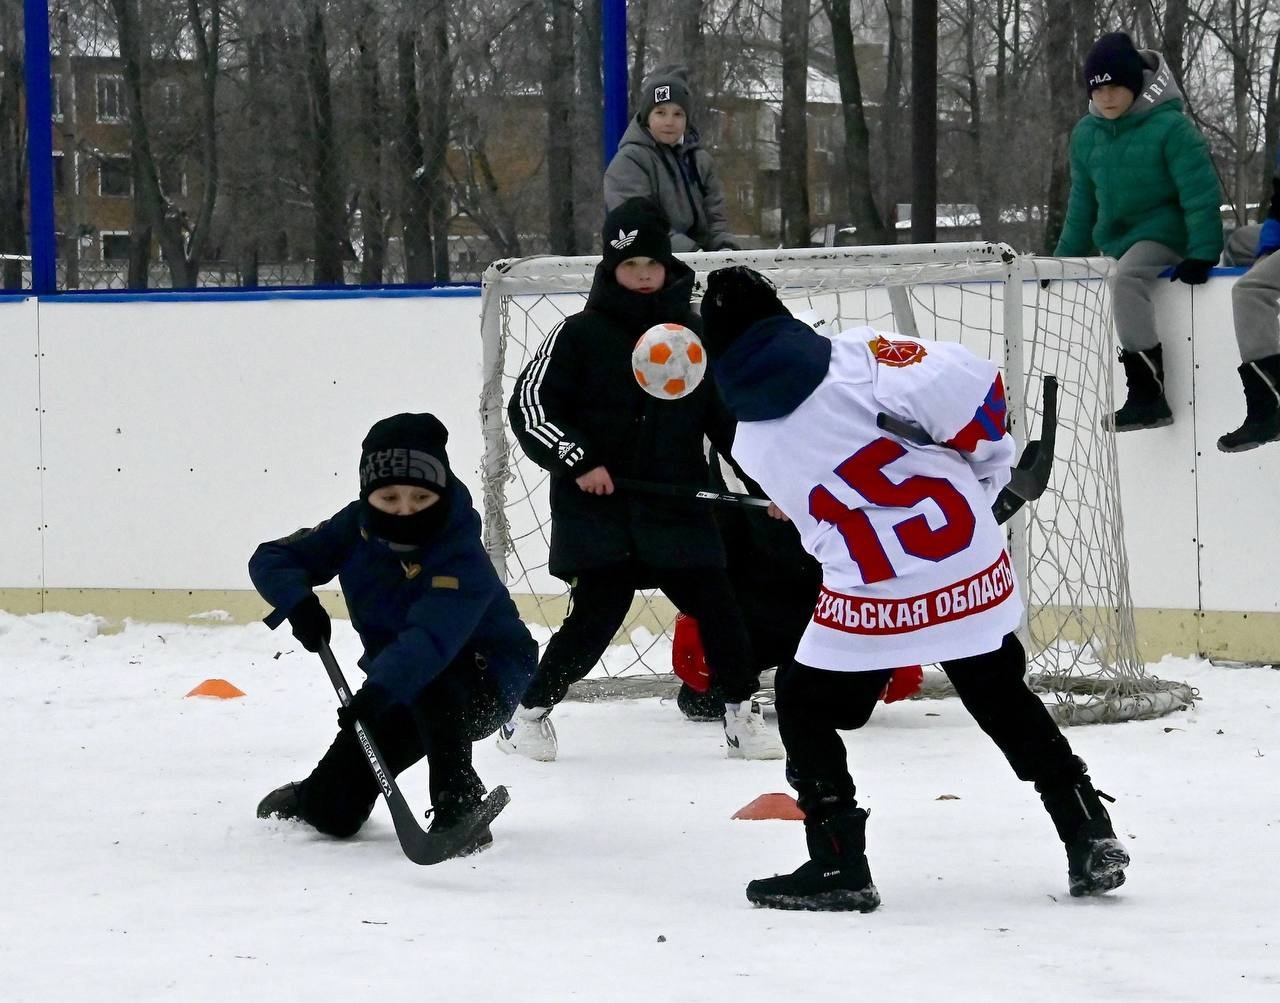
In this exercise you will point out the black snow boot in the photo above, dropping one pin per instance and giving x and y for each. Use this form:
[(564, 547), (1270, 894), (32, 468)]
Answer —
[(707, 706), (835, 878), (1261, 380), (1145, 405), (283, 802), (1095, 858), (451, 810)]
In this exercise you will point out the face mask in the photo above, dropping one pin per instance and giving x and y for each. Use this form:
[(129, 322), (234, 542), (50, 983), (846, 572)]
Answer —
[(414, 530)]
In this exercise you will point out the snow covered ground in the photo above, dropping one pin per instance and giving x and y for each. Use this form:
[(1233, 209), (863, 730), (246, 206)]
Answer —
[(134, 868)]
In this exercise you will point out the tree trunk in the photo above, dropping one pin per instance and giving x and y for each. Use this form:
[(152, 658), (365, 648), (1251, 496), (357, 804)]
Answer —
[(206, 43), (1065, 88), (415, 210), (438, 79), (688, 46), (588, 152), (870, 228), (558, 95), (327, 204), (13, 144), (794, 140), (638, 21), (924, 121), (1173, 42), (891, 125), (373, 237), (1270, 129), (72, 199)]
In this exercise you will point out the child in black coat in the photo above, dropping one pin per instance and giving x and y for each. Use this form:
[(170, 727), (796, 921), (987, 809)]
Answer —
[(578, 411)]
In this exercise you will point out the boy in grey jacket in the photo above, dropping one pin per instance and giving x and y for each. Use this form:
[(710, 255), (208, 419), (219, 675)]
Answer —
[(660, 159)]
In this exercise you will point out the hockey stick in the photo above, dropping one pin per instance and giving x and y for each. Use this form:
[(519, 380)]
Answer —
[(420, 846), (1031, 476), (691, 493)]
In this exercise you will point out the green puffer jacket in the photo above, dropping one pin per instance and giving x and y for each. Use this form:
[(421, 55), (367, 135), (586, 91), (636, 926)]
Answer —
[(1146, 175)]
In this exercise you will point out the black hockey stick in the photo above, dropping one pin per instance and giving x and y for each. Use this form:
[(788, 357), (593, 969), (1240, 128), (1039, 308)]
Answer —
[(1031, 476), (420, 846), (692, 493)]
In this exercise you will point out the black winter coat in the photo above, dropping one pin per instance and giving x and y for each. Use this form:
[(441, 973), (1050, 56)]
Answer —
[(577, 406)]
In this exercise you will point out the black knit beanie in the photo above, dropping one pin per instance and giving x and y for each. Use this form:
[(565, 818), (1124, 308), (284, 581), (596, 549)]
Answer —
[(637, 228), (1114, 60), (405, 449), (666, 83)]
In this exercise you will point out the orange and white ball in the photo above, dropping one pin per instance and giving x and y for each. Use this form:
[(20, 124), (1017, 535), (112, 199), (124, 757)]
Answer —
[(669, 361)]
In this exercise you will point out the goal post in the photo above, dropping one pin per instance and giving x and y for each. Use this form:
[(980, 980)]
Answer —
[(1067, 547)]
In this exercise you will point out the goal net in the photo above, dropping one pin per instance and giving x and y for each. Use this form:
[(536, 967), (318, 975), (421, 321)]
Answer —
[(1067, 547)]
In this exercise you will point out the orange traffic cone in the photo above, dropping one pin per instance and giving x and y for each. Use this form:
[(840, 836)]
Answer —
[(219, 689), (771, 806)]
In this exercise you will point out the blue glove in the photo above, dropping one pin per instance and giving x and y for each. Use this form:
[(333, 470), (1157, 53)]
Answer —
[(1269, 238)]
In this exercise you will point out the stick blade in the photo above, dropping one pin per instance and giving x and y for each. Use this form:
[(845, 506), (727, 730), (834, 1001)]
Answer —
[(435, 847)]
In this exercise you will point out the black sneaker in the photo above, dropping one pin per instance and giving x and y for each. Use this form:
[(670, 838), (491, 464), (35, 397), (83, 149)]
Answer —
[(283, 802), (695, 706), (1095, 866), (835, 878)]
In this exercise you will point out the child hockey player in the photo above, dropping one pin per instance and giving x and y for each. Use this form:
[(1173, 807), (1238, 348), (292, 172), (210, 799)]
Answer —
[(578, 411), (914, 568), (1143, 190), (446, 655)]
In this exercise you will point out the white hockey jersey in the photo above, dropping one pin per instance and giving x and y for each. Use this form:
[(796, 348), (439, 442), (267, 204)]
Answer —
[(915, 568)]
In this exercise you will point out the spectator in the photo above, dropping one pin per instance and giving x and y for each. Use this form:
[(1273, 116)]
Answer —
[(660, 159), (1144, 191), (1253, 301)]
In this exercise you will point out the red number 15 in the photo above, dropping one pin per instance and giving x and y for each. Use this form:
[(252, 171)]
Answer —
[(864, 472)]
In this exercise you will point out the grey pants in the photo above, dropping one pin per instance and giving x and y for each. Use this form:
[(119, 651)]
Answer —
[(1137, 269), (1255, 299)]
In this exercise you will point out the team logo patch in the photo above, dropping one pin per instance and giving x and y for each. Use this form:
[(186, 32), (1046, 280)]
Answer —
[(624, 240), (897, 353), (661, 94)]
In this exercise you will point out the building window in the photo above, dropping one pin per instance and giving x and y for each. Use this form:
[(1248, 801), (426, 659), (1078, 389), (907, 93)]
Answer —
[(822, 134), (822, 199), (115, 177), (170, 98), (173, 179), (115, 245), (111, 99), (747, 197), (59, 174)]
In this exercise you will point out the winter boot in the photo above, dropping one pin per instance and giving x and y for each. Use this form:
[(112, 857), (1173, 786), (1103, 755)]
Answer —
[(529, 733), (283, 802), (1145, 406), (1095, 858), (706, 706), (747, 735), (1261, 381), (450, 811), (835, 878)]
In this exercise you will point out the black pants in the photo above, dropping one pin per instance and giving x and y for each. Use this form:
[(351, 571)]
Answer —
[(814, 703), (460, 707), (598, 606)]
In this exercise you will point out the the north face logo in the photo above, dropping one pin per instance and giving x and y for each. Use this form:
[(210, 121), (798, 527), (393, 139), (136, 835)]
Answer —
[(661, 94), (624, 240)]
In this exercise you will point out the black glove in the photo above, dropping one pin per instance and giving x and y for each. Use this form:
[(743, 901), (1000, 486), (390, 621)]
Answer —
[(736, 298), (310, 623), (1192, 271), (367, 703)]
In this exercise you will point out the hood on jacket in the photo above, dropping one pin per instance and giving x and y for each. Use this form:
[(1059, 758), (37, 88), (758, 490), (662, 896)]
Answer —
[(637, 312), (769, 370), (1158, 88)]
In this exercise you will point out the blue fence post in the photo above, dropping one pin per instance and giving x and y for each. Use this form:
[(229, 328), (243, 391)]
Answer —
[(613, 43), (39, 82)]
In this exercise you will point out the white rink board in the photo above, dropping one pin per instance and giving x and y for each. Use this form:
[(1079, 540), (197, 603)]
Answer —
[(179, 435), (20, 532)]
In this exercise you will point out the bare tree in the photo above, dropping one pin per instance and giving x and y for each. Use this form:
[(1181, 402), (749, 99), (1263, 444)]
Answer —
[(13, 144), (558, 96), (794, 136)]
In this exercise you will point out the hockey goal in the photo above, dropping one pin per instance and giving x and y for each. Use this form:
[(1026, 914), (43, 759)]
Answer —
[(1068, 547)]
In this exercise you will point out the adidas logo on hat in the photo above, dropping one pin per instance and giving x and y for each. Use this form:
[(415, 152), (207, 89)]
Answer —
[(624, 239)]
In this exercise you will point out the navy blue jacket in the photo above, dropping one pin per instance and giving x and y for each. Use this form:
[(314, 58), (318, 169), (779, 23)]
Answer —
[(415, 611)]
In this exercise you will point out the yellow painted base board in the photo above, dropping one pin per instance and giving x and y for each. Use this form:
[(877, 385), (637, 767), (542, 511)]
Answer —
[(1229, 636)]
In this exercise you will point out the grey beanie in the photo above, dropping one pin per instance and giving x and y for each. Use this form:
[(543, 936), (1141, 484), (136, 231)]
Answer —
[(666, 83)]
